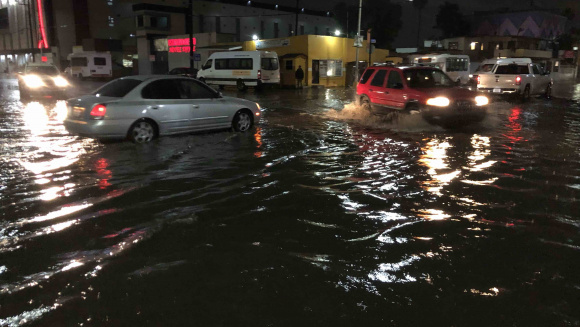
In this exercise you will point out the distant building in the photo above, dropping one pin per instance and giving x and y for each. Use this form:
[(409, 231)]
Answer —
[(128, 28)]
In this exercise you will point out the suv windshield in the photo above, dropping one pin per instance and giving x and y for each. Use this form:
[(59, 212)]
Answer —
[(42, 70), (118, 88), (427, 78)]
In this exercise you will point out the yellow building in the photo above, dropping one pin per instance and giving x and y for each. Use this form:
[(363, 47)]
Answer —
[(326, 60)]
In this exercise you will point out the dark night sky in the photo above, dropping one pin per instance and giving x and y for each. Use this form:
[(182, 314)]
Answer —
[(408, 33)]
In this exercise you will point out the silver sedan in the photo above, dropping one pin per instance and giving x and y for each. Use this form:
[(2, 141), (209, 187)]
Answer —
[(142, 108)]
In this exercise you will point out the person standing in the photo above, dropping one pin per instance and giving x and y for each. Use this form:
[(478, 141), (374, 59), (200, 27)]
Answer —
[(299, 77)]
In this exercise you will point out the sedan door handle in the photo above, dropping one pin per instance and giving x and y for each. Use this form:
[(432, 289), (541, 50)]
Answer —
[(194, 106), (153, 107)]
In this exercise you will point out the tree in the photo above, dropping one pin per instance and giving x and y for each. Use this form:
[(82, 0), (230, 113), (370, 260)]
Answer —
[(419, 5), (347, 18), (382, 16), (450, 21)]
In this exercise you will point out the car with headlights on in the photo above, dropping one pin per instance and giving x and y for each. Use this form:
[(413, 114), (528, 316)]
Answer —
[(142, 108), (41, 80), (427, 90)]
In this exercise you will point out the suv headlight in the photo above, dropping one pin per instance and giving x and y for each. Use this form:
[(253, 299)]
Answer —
[(60, 81), (438, 102), (481, 100), (33, 81)]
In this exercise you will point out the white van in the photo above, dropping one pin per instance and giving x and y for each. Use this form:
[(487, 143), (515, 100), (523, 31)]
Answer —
[(241, 68), (90, 64), (455, 66)]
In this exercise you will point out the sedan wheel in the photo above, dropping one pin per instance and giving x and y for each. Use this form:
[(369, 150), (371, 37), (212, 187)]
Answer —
[(242, 121), (142, 132), (548, 91)]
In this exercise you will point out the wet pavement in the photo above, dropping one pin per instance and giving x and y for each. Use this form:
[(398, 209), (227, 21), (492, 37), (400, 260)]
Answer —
[(320, 216)]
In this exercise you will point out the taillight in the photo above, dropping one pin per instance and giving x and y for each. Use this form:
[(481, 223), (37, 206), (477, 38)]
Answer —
[(478, 79), (518, 80), (259, 74), (98, 111)]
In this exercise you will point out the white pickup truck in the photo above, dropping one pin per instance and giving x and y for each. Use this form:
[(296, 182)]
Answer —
[(516, 76)]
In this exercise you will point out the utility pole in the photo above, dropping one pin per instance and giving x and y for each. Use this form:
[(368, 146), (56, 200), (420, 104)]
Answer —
[(190, 27), (29, 7), (297, 11), (357, 39)]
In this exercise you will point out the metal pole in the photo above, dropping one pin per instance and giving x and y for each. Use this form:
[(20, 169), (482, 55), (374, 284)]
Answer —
[(28, 5), (357, 38), (190, 19), (297, 10)]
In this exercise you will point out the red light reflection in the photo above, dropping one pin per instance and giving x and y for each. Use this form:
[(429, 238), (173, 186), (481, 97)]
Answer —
[(258, 138), (101, 167)]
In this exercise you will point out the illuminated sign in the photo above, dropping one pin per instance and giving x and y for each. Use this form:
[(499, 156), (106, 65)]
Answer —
[(44, 59), (42, 43), (180, 45)]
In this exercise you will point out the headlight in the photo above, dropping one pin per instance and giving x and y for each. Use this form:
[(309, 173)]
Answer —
[(60, 81), (258, 105), (438, 102), (33, 81), (481, 100)]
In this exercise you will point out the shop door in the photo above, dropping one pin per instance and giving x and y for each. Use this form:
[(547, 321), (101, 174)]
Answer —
[(315, 71)]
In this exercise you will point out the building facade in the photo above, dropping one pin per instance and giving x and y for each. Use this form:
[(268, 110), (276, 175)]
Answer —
[(129, 28)]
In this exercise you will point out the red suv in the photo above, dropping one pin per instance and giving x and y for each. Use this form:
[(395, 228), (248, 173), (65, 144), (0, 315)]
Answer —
[(383, 89)]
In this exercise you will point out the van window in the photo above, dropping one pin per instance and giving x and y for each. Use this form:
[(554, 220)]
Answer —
[(512, 69), (161, 89), (366, 76), (237, 64), (269, 63), (79, 62), (457, 64), (118, 88), (99, 61), (379, 78), (208, 64)]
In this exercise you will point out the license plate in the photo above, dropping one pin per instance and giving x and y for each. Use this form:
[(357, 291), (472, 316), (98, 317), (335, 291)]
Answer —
[(496, 90), (78, 111)]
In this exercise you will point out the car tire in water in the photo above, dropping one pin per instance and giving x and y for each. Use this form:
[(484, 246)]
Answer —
[(142, 131), (365, 104), (241, 85), (548, 93), (526, 94), (243, 120)]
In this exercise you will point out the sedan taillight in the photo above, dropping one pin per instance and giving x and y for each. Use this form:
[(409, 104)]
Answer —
[(478, 79), (518, 80), (98, 111)]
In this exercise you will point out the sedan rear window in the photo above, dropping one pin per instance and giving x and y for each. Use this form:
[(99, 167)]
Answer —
[(118, 88)]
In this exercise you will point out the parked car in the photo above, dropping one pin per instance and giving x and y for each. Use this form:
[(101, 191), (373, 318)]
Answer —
[(484, 67), (90, 64), (241, 68), (516, 76), (41, 80), (384, 89), (142, 108), (184, 71)]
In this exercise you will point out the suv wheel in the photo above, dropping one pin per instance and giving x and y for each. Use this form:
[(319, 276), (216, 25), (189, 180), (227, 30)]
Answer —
[(365, 104)]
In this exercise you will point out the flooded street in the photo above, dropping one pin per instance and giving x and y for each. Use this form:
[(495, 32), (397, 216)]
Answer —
[(319, 216)]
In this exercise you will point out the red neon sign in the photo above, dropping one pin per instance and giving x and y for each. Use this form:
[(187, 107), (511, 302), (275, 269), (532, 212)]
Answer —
[(41, 43), (43, 59), (180, 45)]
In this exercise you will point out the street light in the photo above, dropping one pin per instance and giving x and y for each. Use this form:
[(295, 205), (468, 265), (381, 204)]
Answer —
[(337, 33), (254, 37)]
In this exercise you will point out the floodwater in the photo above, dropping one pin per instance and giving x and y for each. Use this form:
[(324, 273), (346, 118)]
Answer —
[(320, 216)]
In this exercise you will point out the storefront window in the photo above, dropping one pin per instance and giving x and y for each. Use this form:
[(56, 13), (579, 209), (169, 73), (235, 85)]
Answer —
[(333, 68)]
